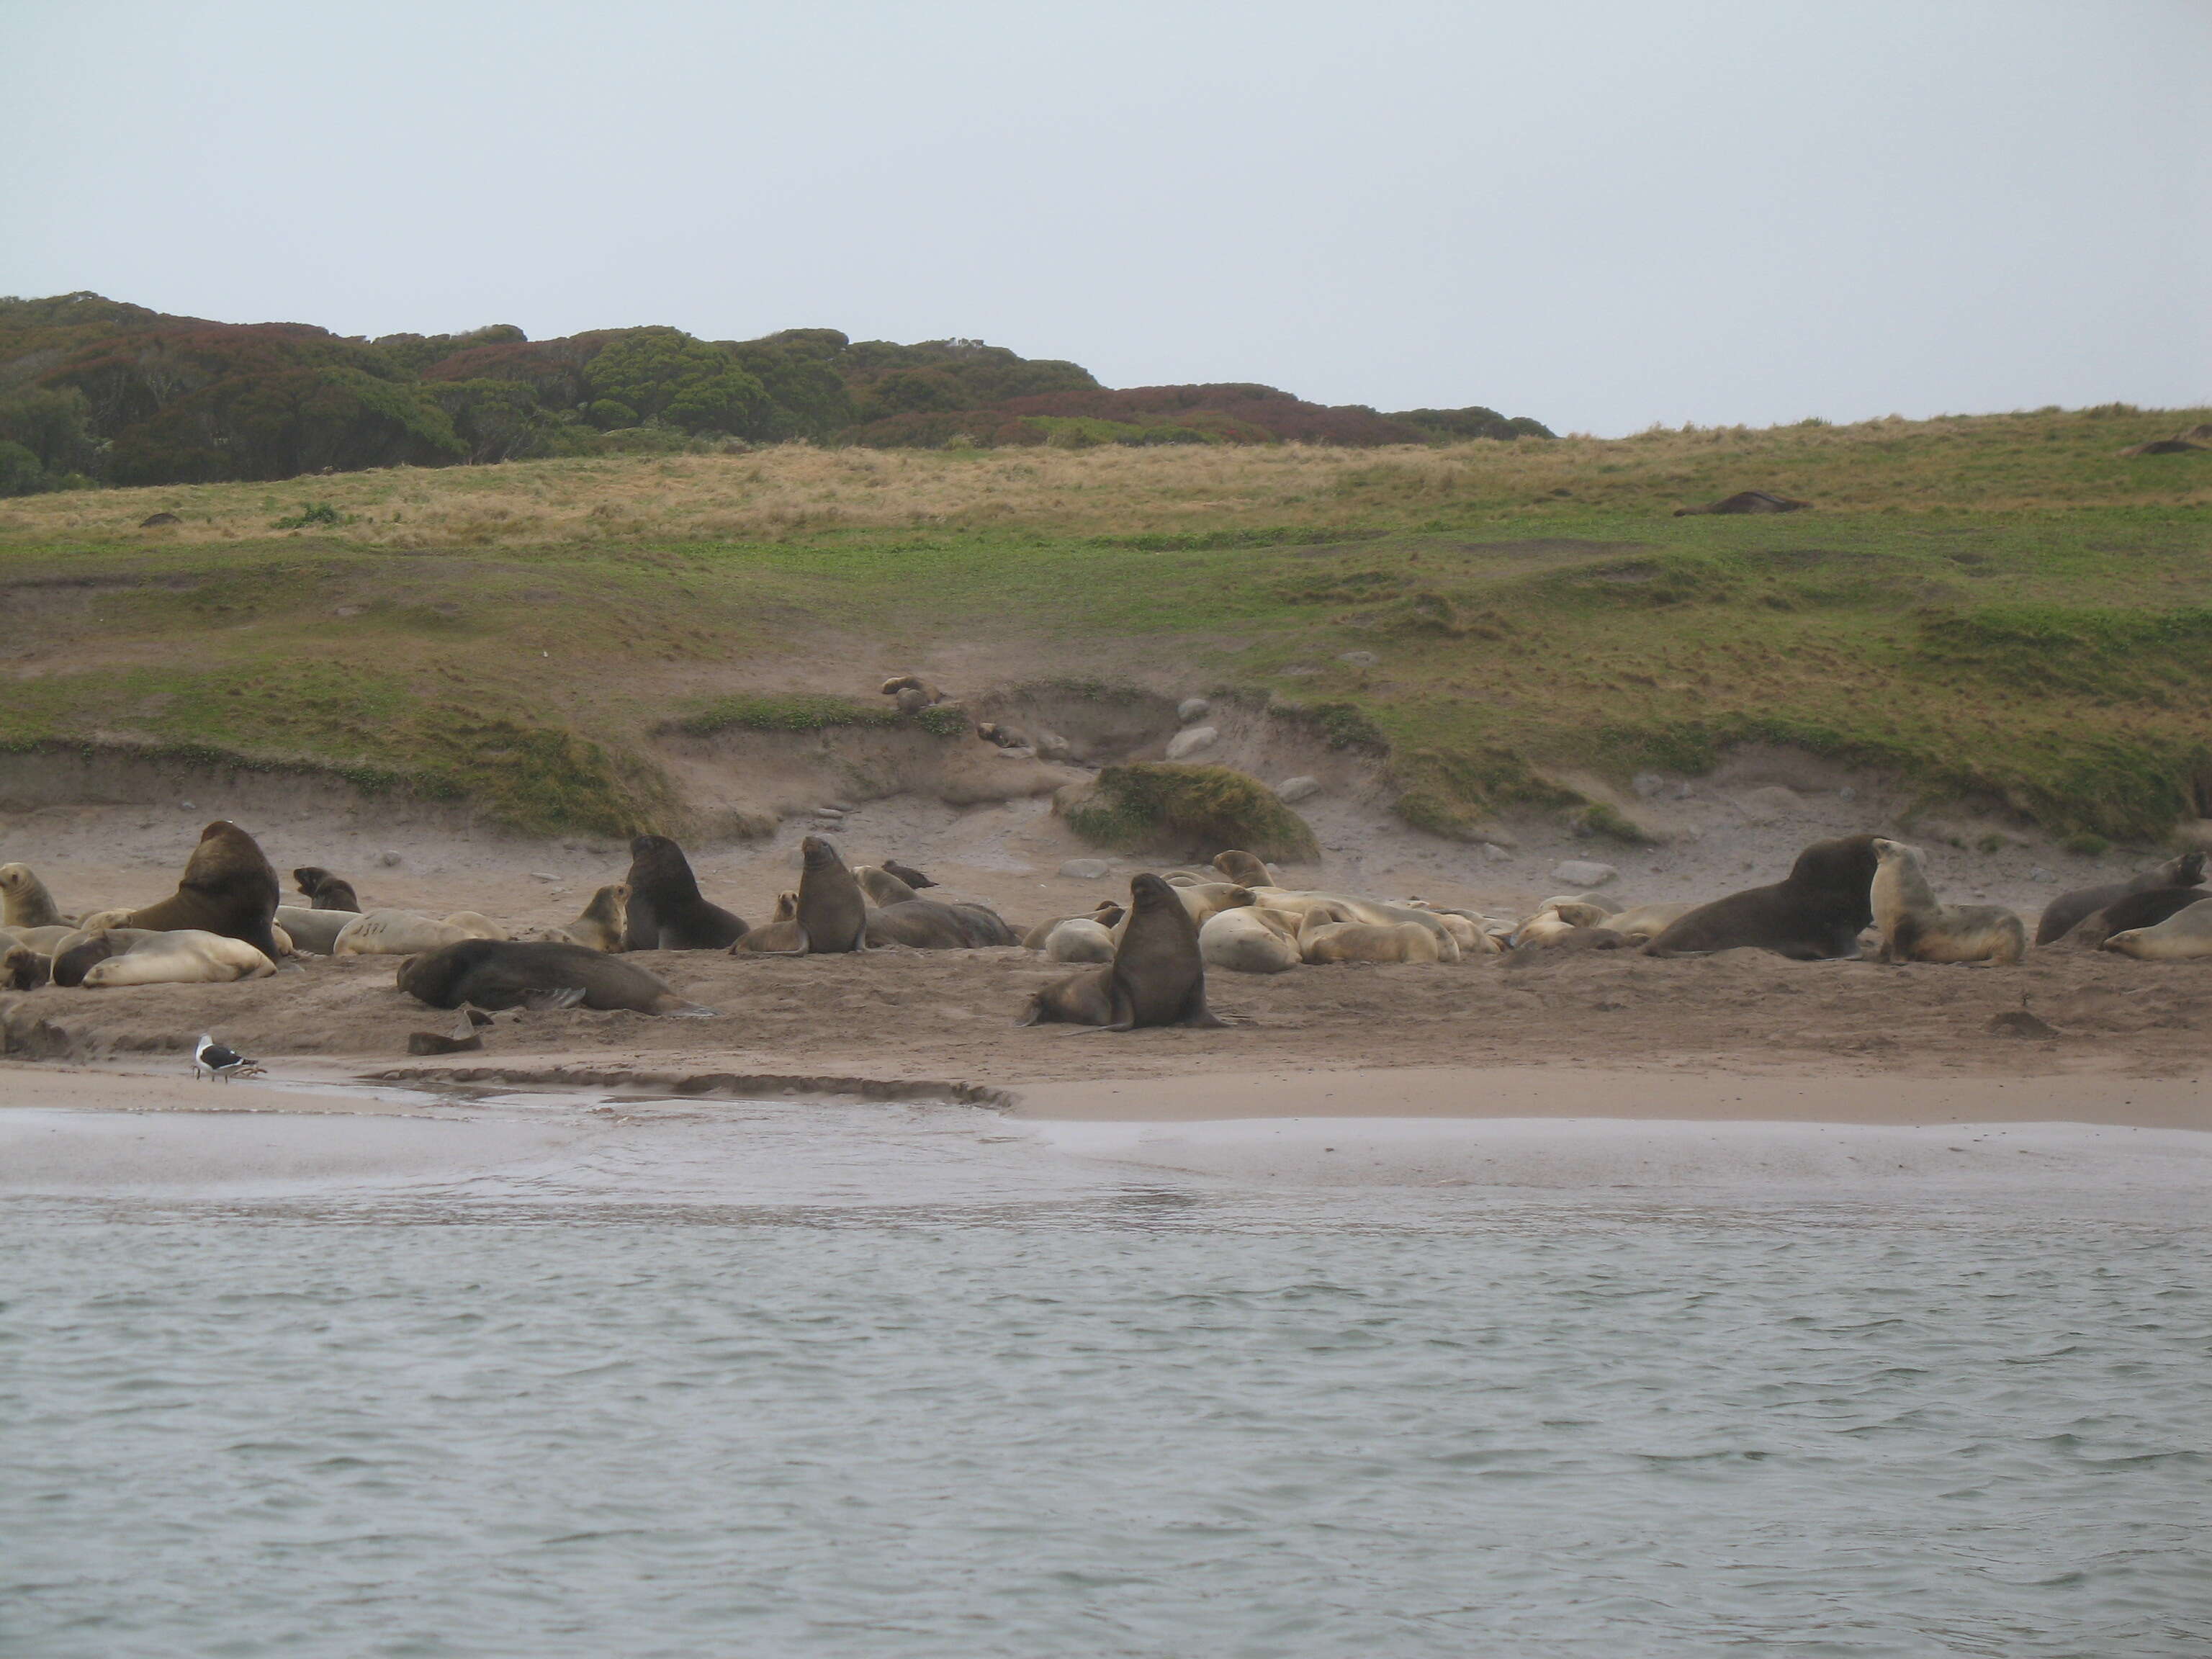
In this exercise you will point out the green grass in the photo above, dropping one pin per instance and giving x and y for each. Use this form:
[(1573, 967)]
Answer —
[(2007, 610), (1162, 806)]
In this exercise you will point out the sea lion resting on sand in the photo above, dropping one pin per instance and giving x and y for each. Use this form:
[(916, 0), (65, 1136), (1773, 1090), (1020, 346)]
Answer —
[(1323, 938), (1817, 912), (323, 891), (80, 952), (1917, 926), (116, 916), (2187, 933), (227, 889), (780, 936), (600, 928), (934, 925), (44, 940), (24, 900), (1156, 976), (1250, 940), (1371, 911), (2064, 912), (666, 910), (2135, 912), (313, 932), (1555, 920), (1078, 938), (1642, 921), (399, 933), (22, 969), (1107, 915), (489, 973), (184, 955)]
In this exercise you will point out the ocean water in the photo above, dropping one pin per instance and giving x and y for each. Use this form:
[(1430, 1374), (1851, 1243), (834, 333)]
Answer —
[(798, 1379)]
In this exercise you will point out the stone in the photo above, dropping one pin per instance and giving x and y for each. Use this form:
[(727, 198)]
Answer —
[(1192, 708), (1359, 659), (1086, 869), (388, 858), (540, 875), (1190, 740), (1290, 791), (1775, 800), (1649, 785), (1847, 794), (186, 806), (1050, 745), (2036, 872), (1494, 852), (1584, 873)]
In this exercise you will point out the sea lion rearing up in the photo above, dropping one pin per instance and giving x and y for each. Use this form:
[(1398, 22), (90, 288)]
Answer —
[(2064, 912), (666, 910), (833, 911), (497, 973), (600, 926), (227, 889), (1815, 913), (1156, 976), (1918, 926), (323, 891), (1243, 869), (24, 900)]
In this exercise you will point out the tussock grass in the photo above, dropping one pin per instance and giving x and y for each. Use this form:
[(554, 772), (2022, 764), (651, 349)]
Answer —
[(1165, 807)]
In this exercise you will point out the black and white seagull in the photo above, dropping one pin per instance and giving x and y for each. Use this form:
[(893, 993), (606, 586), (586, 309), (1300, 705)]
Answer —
[(218, 1062)]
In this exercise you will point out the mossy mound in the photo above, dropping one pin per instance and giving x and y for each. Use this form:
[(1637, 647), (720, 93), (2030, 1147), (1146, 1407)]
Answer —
[(1163, 806)]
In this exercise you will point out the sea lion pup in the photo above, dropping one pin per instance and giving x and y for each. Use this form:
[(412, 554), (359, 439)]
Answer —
[(666, 910), (1250, 940), (907, 873), (227, 889), (499, 973), (1918, 926), (600, 926), (182, 955), (313, 932), (1642, 921), (1816, 913), (1156, 976), (2187, 933), (1243, 868), (2067, 908), (394, 934), (80, 953), (780, 937), (1324, 938), (24, 900), (22, 969), (833, 911), (2136, 910), (476, 925), (1747, 501), (881, 885), (1078, 938), (323, 891)]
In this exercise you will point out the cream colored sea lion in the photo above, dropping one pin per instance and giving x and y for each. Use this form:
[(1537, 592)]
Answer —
[(1468, 933), (1918, 926), (1244, 869), (314, 932), (395, 933), (781, 936), (83, 951), (227, 888), (487, 973), (2187, 933), (24, 900), (1156, 976), (1324, 940), (44, 940), (600, 928), (1207, 900), (1250, 940), (476, 925), (1079, 939), (185, 955), (1355, 908), (117, 916), (881, 885)]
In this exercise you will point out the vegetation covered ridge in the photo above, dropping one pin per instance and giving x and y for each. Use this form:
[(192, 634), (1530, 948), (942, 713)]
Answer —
[(95, 391), (2010, 606)]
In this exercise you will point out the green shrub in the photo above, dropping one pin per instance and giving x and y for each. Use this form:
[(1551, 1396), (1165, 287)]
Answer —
[(1164, 806), (318, 513), (2085, 844)]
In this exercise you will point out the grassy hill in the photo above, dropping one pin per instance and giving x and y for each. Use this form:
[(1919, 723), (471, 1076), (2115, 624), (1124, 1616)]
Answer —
[(2004, 605)]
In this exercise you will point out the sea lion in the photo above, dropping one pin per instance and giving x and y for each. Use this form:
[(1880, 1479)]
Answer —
[(780, 936), (22, 969), (1244, 869), (907, 873), (182, 955), (44, 940), (1107, 914), (600, 926), (1250, 940), (833, 911), (666, 910), (1918, 926), (227, 889), (80, 952), (2063, 912), (1816, 913), (497, 973), (476, 925), (395, 933), (314, 932), (1323, 940), (24, 900), (933, 925), (93, 920), (1156, 976), (1468, 933), (1206, 900), (323, 891), (1079, 939), (1555, 920), (882, 887), (2187, 933), (1747, 501), (899, 683), (1642, 921), (1354, 908), (2136, 911)]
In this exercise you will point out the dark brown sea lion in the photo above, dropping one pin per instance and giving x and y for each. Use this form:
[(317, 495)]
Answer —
[(2144, 909), (22, 969), (2067, 908), (666, 910), (833, 911), (1747, 501), (323, 891), (907, 873), (499, 973), (2163, 446), (1157, 977), (227, 889), (932, 925), (1817, 912)]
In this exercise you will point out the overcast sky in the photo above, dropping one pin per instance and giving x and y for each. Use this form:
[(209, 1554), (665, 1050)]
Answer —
[(1604, 215)]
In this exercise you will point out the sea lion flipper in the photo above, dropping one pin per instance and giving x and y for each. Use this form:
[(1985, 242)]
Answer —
[(566, 996)]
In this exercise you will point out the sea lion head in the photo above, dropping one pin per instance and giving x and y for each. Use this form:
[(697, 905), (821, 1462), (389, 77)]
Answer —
[(1842, 865), (820, 854), (787, 907), (1148, 895), (22, 969), (2187, 871)]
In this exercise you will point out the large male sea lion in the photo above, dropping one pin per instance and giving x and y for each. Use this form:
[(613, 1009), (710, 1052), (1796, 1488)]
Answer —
[(2136, 910), (1250, 940), (1156, 976), (1918, 926), (666, 910), (833, 911), (497, 973), (1817, 912), (2061, 915), (600, 926), (323, 891), (2187, 933), (24, 900), (227, 889), (1642, 921), (182, 955)]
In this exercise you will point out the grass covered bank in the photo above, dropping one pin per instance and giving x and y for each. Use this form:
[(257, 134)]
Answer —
[(2005, 605)]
